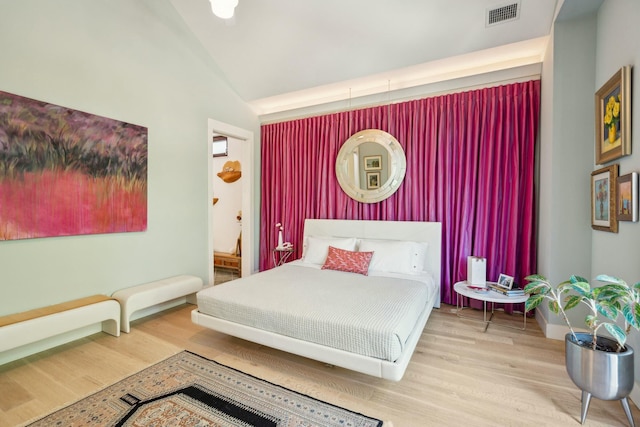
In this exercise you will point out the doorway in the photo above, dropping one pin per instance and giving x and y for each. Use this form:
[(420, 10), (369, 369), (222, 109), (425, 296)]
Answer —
[(246, 241)]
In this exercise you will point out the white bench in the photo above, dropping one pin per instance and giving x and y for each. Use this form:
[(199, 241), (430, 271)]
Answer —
[(38, 324), (147, 295)]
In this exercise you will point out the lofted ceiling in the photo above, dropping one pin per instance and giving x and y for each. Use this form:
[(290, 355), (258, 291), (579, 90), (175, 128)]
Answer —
[(282, 53)]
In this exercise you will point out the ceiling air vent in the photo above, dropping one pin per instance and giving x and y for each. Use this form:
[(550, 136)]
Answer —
[(501, 14)]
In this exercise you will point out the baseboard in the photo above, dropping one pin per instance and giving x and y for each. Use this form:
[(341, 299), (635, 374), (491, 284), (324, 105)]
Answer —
[(550, 330), (635, 393)]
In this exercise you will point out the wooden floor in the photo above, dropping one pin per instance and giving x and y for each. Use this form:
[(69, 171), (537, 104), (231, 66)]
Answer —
[(458, 375)]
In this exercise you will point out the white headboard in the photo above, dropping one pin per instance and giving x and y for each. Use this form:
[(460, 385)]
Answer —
[(415, 231)]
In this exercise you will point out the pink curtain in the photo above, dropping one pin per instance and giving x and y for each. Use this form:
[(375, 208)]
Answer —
[(470, 165)]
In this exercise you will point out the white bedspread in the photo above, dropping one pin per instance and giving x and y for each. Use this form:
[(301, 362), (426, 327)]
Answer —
[(369, 315)]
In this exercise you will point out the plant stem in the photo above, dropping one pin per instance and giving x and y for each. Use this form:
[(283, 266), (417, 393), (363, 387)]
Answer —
[(564, 315)]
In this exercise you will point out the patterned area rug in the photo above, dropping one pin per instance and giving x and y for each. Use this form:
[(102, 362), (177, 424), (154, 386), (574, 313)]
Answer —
[(189, 390)]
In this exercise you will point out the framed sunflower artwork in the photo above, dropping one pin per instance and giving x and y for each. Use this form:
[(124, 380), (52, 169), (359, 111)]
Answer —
[(613, 117)]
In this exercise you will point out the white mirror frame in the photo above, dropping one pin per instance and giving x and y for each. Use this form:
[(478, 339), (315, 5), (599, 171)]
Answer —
[(397, 166)]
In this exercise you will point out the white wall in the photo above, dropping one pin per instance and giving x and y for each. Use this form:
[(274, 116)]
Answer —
[(545, 171), (133, 61), (587, 50), (566, 157), (618, 44)]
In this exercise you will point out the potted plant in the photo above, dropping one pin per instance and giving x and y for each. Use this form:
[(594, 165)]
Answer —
[(600, 366)]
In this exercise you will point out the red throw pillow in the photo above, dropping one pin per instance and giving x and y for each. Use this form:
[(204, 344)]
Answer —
[(349, 261)]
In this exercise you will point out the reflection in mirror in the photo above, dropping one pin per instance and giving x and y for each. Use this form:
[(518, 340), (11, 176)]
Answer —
[(370, 166), (374, 159)]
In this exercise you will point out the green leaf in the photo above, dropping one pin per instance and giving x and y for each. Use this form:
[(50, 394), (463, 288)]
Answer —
[(616, 288), (572, 301), (609, 292), (532, 302), (535, 277), (631, 314), (554, 307), (622, 286), (616, 332), (609, 279), (564, 287), (610, 311), (578, 279), (537, 288), (582, 288), (597, 291)]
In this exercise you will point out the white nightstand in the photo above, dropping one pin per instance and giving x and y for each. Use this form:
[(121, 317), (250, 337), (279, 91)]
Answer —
[(463, 290)]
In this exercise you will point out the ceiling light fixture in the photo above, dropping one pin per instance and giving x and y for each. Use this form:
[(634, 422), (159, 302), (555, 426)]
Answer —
[(223, 8)]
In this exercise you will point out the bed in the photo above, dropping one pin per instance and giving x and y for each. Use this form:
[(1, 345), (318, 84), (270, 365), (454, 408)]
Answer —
[(306, 310)]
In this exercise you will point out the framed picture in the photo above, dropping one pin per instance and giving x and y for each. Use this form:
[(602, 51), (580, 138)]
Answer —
[(65, 172), (603, 199), (220, 146), (373, 180), (505, 281), (372, 163), (613, 117), (627, 206)]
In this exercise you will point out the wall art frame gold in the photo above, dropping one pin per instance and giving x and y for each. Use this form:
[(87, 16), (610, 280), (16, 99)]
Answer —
[(373, 180), (627, 205), (613, 117), (372, 163), (603, 199)]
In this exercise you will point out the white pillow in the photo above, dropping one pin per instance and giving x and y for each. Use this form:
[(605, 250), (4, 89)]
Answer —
[(396, 256), (315, 249)]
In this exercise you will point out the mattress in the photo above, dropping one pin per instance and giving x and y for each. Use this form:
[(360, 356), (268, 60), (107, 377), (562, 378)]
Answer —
[(368, 315)]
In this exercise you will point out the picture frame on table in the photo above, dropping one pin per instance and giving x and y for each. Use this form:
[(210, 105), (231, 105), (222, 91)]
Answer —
[(613, 117), (627, 206), (505, 282), (373, 180), (603, 199), (372, 163)]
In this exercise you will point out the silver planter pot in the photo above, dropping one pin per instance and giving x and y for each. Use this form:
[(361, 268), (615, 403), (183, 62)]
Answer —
[(601, 374)]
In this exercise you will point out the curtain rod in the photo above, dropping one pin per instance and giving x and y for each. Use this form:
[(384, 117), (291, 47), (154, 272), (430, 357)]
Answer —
[(398, 100)]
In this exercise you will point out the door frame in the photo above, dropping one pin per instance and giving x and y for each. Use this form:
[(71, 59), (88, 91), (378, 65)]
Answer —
[(248, 191)]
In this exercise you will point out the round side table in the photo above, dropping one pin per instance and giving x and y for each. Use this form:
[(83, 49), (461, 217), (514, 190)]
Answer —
[(281, 255), (462, 289)]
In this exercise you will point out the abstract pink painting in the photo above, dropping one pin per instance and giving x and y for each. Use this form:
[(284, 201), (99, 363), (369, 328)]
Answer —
[(64, 172)]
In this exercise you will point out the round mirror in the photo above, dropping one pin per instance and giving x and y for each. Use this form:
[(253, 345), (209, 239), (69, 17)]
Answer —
[(370, 166)]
